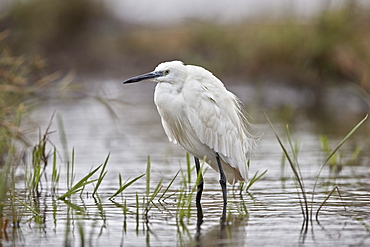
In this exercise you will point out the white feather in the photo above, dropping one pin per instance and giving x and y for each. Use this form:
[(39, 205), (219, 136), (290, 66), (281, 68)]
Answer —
[(199, 114)]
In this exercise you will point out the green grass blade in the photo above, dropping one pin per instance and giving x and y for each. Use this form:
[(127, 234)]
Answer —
[(291, 163), (80, 184), (76, 189), (295, 150), (188, 166), (102, 174), (254, 179), (155, 193), (120, 180), (323, 203), (55, 173), (24, 204), (168, 187), (344, 140), (124, 186)]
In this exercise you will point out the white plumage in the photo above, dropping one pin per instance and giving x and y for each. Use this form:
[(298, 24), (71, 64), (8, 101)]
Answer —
[(200, 115)]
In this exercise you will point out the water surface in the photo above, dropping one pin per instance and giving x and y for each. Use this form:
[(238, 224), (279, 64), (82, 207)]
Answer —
[(269, 215)]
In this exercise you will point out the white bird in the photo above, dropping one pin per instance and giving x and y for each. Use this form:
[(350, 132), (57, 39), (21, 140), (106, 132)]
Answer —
[(203, 117)]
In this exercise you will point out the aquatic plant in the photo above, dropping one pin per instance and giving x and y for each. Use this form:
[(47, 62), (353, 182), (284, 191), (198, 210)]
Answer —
[(336, 162), (293, 162), (351, 132), (123, 186), (252, 180), (80, 185)]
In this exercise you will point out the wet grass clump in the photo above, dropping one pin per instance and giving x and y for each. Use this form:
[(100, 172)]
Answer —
[(22, 79)]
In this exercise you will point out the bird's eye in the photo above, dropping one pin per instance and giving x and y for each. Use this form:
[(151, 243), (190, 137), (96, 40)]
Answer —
[(166, 72)]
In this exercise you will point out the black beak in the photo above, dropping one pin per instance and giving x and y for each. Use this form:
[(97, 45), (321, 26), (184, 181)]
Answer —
[(146, 76)]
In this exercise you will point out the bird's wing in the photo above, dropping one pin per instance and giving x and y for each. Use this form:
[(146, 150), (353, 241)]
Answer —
[(215, 116)]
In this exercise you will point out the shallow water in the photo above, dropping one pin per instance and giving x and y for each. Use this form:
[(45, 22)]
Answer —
[(269, 215)]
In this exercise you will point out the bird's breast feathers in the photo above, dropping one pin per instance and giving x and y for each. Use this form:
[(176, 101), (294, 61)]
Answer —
[(202, 112)]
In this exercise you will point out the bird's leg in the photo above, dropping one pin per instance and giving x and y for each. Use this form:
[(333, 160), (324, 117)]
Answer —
[(223, 186), (199, 179), (199, 196)]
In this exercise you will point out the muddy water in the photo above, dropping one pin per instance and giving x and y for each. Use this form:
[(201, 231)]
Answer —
[(269, 215)]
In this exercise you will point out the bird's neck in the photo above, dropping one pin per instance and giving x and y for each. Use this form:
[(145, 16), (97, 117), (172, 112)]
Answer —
[(168, 88)]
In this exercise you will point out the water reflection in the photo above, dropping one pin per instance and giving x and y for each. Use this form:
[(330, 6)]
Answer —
[(199, 221), (226, 233)]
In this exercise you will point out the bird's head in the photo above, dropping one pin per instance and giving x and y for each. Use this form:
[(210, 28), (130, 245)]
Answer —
[(167, 72)]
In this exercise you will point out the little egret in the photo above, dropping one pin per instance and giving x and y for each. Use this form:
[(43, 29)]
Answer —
[(203, 117)]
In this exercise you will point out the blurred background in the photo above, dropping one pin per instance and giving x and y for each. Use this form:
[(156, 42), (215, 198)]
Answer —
[(291, 41), (306, 44), (298, 56)]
